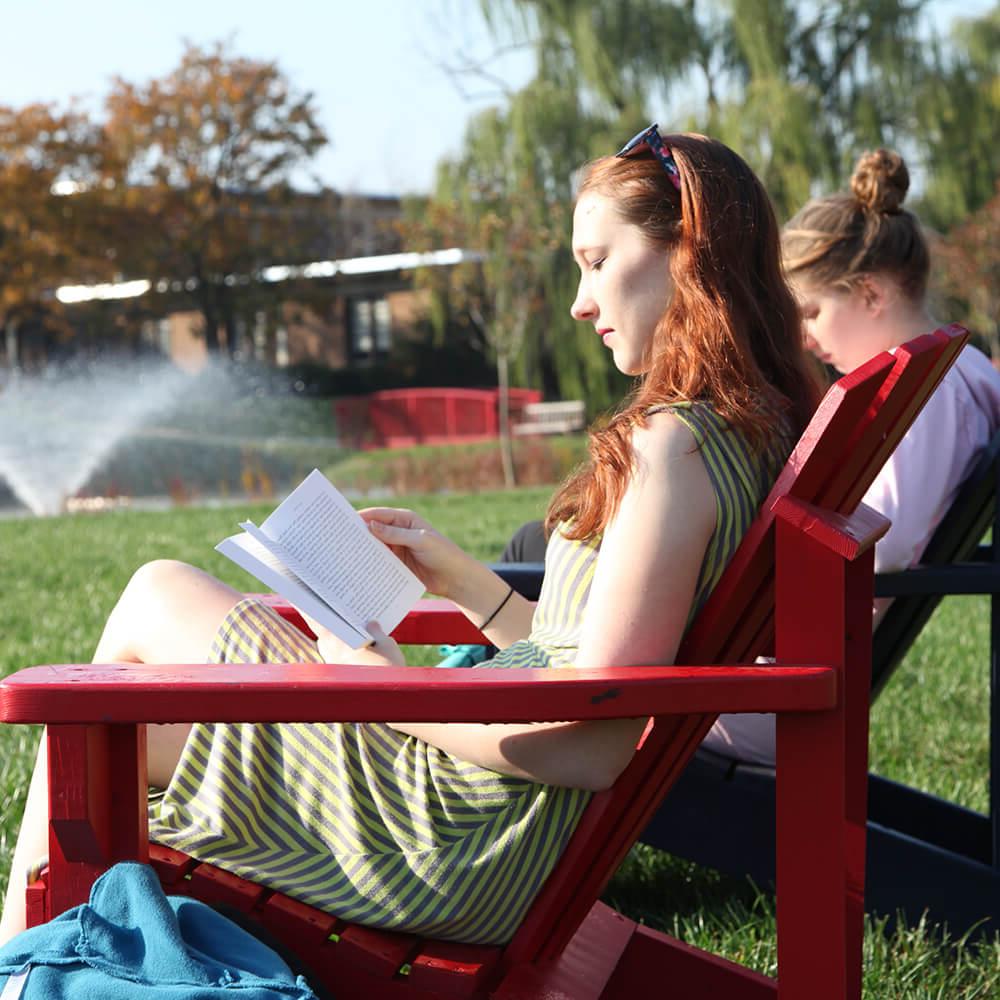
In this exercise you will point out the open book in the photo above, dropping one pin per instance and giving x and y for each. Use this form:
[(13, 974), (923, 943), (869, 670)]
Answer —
[(317, 552)]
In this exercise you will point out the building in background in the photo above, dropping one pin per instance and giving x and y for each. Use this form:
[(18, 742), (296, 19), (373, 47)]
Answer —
[(343, 303), (334, 313)]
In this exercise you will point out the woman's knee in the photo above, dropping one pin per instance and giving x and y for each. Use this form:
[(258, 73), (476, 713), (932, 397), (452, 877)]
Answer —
[(169, 586), (169, 611), (154, 578)]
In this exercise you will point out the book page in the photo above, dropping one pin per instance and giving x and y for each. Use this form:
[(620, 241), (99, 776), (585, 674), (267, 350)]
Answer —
[(257, 560), (335, 553), (282, 557)]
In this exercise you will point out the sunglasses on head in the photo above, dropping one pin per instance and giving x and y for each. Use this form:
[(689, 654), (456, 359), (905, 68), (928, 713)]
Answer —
[(649, 138)]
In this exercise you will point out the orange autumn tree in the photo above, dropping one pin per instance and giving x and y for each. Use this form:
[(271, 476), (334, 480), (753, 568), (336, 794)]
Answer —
[(968, 273), (203, 157), (45, 238)]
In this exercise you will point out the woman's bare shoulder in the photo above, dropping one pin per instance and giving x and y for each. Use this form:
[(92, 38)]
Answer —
[(664, 435)]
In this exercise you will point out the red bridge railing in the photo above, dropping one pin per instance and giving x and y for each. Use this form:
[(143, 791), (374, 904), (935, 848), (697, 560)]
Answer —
[(396, 418)]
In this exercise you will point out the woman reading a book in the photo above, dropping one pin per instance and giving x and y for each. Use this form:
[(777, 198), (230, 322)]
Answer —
[(450, 830)]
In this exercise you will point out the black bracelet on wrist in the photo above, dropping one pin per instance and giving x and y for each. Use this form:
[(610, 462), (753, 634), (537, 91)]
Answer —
[(510, 590)]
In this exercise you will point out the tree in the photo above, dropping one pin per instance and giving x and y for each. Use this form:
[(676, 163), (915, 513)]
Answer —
[(202, 158), (968, 272), (509, 196), (44, 238), (959, 106), (798, 89)]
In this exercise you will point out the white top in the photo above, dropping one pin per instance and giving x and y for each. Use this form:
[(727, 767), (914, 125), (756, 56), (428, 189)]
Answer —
[(914, 489)]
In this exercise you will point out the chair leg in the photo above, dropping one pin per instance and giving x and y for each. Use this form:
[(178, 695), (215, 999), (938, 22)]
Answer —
[(97, 805), (822, 760), (820, 856)]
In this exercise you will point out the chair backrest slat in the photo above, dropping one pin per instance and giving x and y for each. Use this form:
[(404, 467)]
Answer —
[(861, 418), (744, 596), (901, 397)]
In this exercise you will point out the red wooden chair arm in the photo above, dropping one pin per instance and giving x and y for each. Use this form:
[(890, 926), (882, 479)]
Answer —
[(432, 620), (307, 692)]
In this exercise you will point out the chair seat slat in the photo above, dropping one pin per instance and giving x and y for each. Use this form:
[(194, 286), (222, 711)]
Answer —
[(453, 970)]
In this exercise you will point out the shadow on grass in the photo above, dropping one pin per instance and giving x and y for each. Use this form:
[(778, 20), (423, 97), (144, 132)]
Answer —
[(731, 917), (722, 913)]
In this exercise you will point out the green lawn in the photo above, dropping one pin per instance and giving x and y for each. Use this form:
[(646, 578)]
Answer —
[(929, 728)]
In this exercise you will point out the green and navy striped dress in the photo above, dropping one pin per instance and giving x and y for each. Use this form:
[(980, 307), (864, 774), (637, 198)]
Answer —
[(381, 828)]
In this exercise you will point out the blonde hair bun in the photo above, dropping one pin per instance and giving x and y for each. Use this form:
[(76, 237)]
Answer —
[(880, 181)]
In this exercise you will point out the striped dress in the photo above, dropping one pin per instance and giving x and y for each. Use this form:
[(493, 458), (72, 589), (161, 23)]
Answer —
[(381, 828)]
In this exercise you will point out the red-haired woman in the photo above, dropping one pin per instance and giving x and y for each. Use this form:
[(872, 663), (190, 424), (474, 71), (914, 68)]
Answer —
[(450, 829)]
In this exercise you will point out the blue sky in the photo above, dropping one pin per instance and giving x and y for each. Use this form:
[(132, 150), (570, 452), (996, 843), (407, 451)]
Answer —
[(375, 66)]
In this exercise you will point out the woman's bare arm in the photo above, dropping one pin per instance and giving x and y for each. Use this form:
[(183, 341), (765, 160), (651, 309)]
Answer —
[(642, 591), (446, 569)]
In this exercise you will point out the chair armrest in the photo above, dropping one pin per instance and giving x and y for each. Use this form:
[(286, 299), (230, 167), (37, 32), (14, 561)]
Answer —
[(525, 578), (950, 578), (430, 621), (308, 692)]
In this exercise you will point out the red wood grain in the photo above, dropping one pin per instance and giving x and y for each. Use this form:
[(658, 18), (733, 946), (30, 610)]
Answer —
[(325, 693)]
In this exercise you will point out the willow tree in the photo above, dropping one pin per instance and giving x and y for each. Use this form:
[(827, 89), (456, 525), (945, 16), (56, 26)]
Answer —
[(796, 88), (959, 120), (508, 195), (963, 196)]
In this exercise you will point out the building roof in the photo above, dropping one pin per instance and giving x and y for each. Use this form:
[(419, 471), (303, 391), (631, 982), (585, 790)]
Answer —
[(379, 263)]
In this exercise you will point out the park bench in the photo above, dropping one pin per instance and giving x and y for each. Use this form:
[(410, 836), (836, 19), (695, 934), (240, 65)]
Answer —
[(800, 582), (558, 417)]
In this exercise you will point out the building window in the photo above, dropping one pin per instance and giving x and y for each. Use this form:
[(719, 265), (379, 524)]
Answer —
[(156, 333), (281, 346), (383, 325), (370, 322)]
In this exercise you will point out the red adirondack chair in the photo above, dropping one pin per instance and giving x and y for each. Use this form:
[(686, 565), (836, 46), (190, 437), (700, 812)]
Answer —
[(802, 577)]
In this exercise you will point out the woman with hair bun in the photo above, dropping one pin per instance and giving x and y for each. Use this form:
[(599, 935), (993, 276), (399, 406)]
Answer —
[(858, 264)]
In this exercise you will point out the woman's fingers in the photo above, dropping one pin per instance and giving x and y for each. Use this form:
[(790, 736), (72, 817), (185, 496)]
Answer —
[(398, 516), (395, 526), (380, 641), (385, 644), (383, 650), (393, 534)]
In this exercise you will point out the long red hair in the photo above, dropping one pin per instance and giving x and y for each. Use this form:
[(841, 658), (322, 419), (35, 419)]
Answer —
[(731, 336)]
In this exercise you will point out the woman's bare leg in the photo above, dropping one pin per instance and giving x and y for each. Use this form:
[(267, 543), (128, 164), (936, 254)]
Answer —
[(168, 613), (32, 844)]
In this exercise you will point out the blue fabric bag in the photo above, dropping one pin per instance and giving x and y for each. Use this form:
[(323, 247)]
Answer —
[(466, 655), (131, 942)]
